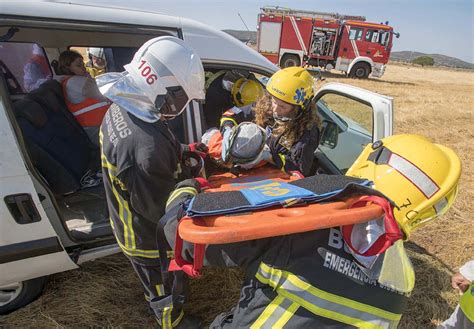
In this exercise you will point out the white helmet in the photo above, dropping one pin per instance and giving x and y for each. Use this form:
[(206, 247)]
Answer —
[(97, 52), (169, 72)]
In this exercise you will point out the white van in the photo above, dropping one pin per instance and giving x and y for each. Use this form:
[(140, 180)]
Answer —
[(46, 224)]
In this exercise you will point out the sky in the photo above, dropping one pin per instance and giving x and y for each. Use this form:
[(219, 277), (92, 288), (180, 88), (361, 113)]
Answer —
[(429, 26)]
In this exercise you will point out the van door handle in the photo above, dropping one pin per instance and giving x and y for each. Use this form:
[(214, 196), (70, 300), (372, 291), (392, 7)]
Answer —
[(22, 208)]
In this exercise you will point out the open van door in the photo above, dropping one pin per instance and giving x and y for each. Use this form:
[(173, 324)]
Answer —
[(352, 117), (29, 246)]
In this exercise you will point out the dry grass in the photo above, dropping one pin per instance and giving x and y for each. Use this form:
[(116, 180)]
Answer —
[(434, 102)]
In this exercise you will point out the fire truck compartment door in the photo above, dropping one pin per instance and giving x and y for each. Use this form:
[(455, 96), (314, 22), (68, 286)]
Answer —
[(270, 33)]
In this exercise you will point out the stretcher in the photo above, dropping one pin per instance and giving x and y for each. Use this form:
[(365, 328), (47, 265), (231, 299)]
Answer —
[(274, 221)]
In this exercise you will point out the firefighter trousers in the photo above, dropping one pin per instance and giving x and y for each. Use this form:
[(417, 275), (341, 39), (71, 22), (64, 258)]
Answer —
[(167, 307)]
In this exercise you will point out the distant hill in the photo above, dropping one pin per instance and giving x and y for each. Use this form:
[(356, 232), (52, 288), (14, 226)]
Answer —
[(244, 36), (440, 60)]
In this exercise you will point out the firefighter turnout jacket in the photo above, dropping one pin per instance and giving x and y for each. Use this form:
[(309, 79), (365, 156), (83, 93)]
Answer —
[(140, 165), (304, 280)]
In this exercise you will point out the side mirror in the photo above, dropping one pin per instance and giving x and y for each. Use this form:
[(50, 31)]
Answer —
[(330, 134)]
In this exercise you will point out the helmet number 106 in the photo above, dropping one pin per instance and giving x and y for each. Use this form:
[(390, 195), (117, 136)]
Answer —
[(145, 71)]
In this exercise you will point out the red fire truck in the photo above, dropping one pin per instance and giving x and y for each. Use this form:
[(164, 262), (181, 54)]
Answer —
[(290, 37)]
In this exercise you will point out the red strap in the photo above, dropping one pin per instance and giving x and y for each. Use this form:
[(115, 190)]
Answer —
[(180, 264), (203, 183), (392, 231)]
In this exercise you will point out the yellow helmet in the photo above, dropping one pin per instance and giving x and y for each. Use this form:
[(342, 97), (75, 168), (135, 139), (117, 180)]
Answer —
[(245, 92), (293, 85), (419, 176)]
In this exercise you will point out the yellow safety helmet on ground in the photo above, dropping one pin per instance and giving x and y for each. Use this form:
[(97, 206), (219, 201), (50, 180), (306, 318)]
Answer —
[(419, 176), (245, 92), (293, 85)]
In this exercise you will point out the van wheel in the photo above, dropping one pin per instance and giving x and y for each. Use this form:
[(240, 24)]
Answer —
[(290, 60), (360, 71), (16, 295)]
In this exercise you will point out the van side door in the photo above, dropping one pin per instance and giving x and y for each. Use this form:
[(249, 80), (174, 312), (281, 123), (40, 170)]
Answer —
[(352, 117), (29, 245)]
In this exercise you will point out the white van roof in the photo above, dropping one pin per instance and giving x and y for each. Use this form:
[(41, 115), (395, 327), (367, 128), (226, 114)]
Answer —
[(211, 44)]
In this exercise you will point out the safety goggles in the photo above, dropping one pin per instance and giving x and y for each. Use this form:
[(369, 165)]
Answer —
[(172, 103)]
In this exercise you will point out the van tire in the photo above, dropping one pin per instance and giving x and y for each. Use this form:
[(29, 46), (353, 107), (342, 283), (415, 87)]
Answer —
[(360, 70), (23, 293), (289, 60)]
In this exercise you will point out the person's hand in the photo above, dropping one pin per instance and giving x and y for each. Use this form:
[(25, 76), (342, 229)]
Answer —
[(460, 283), (199, 148)]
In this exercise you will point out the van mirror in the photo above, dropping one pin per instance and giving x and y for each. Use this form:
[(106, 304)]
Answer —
[(330, 133)]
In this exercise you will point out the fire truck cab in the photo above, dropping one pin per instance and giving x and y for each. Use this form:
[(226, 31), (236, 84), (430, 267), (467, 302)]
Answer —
[(329, 40)]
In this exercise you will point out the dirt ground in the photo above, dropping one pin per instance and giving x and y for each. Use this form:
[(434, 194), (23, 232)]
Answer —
[(434, 102)]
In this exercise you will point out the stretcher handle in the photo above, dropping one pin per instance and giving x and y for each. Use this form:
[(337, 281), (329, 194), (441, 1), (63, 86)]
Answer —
[(275, 222)]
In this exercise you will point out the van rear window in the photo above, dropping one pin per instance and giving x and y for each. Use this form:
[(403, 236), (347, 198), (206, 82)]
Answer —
[(24, 66)]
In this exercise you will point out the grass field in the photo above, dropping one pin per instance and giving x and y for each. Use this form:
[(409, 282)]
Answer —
[(434, 102)]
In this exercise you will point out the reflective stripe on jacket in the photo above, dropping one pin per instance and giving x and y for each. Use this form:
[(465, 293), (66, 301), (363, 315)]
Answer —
[(294, 292), (140, 164), (467, 302)]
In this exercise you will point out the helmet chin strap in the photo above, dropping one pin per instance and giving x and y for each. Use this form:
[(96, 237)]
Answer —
[(288, 119)]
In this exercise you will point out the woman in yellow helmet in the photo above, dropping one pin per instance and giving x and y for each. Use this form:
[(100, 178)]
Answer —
[(289, 115)]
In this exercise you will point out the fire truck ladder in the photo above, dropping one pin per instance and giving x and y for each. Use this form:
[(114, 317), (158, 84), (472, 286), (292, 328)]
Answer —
[(276, 10)]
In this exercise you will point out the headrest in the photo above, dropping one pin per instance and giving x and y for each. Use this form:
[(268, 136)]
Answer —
[(31, 111)]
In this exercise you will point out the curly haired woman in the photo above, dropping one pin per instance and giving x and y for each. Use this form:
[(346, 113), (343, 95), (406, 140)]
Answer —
[(289, 115)]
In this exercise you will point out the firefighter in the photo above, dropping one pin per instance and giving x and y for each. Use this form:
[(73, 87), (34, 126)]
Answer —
[(310, 280), (244, 93), (289, 115), (96, 65), (142, 159)]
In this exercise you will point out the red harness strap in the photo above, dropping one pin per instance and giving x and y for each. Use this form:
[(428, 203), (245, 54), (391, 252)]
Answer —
[(179, 263), (392, 231)]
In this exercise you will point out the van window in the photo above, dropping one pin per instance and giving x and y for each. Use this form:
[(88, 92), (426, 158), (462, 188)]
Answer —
[(116, 57), (24, 65), (355, 33)]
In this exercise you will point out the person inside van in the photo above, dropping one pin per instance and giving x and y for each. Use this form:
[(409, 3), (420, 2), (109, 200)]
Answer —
[(36, 70), (81, 93), (289, 116), (97, 62)]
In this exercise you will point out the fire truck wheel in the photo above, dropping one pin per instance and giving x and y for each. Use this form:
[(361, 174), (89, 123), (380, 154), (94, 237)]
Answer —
[(290, 60), (360, 71)]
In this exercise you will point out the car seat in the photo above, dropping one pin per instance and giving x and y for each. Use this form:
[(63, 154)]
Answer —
[(58, 146)]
